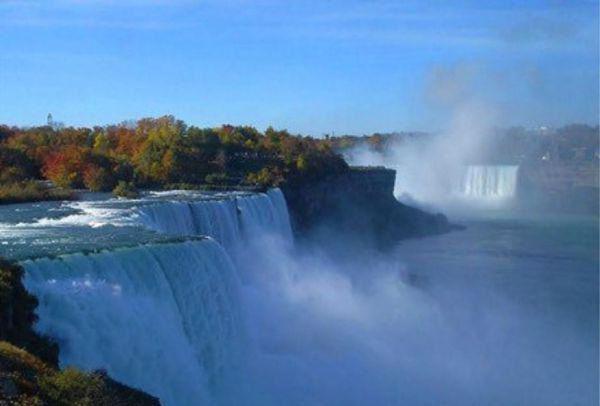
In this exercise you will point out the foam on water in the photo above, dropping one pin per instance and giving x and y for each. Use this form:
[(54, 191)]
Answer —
[(84, 213), (299, 327)]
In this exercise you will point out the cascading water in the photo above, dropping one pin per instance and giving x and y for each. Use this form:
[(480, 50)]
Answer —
[(302, 328), (228, 221), (163, 317), (214, 218), (160, 317), (265, 214), (490, 182)]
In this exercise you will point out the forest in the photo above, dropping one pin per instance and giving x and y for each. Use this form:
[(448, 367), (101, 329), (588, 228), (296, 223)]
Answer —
[(573, 143), (159, 152)]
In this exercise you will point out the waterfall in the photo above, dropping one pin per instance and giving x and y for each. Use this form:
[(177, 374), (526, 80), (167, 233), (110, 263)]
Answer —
[(265, 214), (228, 221), (162, 317), (490, 182), (214, 218)]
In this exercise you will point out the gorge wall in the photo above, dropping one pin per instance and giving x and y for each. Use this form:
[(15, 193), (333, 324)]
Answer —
[(360, 202)]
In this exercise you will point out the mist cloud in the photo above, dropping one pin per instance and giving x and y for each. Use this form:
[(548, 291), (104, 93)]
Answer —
[(332, 330)]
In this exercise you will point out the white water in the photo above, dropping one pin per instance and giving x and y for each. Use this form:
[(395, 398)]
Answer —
[(228, 221), (162, 317), (215, 218), (265, 214), (505, 313), (490, 182)]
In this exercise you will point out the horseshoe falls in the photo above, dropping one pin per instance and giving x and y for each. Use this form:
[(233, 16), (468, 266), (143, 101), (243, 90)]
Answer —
[(490, 182)]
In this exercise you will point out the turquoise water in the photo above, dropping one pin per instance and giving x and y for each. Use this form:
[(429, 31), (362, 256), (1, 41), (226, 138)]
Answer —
[(504, 312), (96, 221)]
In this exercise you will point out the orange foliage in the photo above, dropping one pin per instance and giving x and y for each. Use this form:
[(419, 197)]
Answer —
[(65, 167)]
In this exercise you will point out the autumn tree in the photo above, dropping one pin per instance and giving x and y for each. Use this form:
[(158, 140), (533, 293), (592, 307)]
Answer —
[(65, 168), (158, 158)]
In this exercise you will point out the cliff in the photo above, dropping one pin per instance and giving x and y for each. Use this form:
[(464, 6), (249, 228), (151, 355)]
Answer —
[(359, 202), (17, 315)]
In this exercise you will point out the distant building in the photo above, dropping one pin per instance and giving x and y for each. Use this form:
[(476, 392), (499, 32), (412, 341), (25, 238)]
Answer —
[(55, 125)]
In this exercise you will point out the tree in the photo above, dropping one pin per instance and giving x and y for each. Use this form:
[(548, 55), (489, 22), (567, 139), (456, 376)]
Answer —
[(156, 160), (98, 179), (65, 168), (101, 144)]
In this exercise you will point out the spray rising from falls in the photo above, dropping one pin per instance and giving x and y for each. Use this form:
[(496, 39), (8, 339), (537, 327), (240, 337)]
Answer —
[(306, 328), (490, 182)]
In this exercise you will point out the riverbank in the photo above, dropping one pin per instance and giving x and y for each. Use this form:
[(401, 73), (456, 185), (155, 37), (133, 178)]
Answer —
[(33, 191)]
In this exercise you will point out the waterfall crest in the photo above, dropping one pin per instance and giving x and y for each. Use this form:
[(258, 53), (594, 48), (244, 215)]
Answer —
[(214, 218), (228, 221), (490, 182)]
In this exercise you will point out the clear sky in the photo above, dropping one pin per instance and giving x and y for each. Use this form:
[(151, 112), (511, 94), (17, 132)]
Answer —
[(309, 66)]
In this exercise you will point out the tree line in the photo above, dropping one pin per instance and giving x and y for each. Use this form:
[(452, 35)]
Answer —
[(573, 143), (162, 152)]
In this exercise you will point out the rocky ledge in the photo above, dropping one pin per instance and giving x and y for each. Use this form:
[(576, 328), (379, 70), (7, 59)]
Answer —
[(360, 201)]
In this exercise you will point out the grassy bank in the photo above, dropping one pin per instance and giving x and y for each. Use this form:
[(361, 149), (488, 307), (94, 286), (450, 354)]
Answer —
[(32, 191), (26, 380)]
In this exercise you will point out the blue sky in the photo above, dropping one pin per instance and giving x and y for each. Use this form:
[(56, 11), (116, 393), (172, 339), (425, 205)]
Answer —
[(310, 66)]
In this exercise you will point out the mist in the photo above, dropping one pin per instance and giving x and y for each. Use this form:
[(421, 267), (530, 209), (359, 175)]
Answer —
[(374, 328), (430, 168), (504, 312)]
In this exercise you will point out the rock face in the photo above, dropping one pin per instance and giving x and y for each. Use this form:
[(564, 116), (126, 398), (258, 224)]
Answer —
[(360, 202), (17, 315)]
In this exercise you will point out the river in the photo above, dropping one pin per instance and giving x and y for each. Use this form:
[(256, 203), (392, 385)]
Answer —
[(503, 312)]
